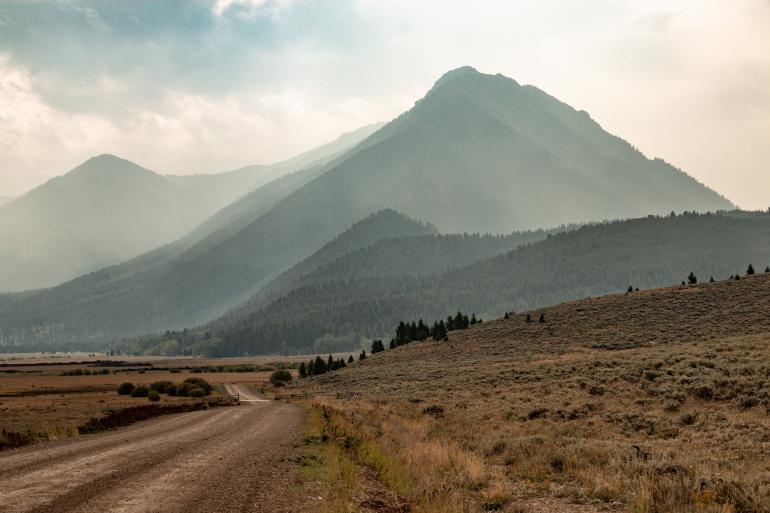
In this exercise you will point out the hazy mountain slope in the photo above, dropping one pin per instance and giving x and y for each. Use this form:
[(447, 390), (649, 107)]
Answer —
[(83, 309), (592, 260), (386, 258), (225, 188), (5, 199), (382, 225), (478, 153), (102, 212)]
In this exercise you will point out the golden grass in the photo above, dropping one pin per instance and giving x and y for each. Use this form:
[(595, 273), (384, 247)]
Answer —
[(650, 403)]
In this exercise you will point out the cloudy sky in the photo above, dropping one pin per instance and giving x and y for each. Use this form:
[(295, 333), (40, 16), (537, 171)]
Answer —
[(189, 86)]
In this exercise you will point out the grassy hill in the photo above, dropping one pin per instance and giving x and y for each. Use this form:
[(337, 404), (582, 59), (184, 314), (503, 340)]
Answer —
[(653, 401)]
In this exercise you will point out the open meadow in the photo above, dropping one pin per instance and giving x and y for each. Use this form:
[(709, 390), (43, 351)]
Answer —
[(647, 402)]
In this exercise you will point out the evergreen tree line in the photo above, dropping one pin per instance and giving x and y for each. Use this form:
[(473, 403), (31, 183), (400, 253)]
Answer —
[(408, 332), (317, 366)]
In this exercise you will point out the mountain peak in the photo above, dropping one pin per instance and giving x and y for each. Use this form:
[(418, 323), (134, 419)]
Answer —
[(463, 71), (466, 78), (109, 165)]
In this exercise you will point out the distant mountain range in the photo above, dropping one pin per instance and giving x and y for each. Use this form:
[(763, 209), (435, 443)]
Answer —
[(108, 210), (479, 153), (4, 200)]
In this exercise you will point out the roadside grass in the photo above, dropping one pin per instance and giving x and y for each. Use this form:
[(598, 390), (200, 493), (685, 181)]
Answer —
[(324, 462), (663, 409)]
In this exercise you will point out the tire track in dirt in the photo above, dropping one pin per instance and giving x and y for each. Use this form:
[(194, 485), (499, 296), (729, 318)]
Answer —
[(226, 459)]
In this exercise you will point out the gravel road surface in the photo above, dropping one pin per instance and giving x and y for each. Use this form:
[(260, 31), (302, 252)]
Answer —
[(234, 459)]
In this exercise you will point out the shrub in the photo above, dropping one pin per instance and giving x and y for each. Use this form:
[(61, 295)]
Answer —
[(596, 390), (153, 396), (280, 378), (140, 391), (183, 389), (171, 389), (161, 386), (126, 388), (197, 392), (200, 383), (688, 419)]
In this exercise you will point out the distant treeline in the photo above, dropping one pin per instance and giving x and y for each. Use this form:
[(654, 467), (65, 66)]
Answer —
[(406, 332)]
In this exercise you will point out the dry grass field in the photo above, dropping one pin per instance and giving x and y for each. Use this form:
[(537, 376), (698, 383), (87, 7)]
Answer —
[(649, 402), (48, 397)]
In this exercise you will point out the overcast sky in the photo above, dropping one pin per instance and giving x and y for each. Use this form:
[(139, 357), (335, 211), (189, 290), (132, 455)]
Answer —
[(190, 86)]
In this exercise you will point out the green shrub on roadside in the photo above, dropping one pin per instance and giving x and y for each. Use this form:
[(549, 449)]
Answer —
[(140, 391), (197, 392), (161, 386), (153, 396), (125, 388), (199, 383), (280, 377)]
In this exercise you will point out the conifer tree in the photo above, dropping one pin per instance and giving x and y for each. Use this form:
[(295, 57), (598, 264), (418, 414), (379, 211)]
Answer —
[(692, 279), (393, 343), (542, 318), (330, 363), (529, 318), (302, 370), (377, 346), (767, 269), (506, 316), (309, 368), (350, 359), (319, 367), (750, 271), (362, 356)]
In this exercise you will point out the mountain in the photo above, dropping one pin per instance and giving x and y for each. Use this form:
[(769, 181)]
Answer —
[(479, 153), (358, 299), (83, 310), (108, 210), (103, 211), (4, 200)]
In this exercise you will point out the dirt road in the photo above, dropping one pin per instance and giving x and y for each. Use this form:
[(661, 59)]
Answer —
[(232, 459)]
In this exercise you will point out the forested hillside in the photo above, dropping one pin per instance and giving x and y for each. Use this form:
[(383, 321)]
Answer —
[(409, 256), (590, 261)]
